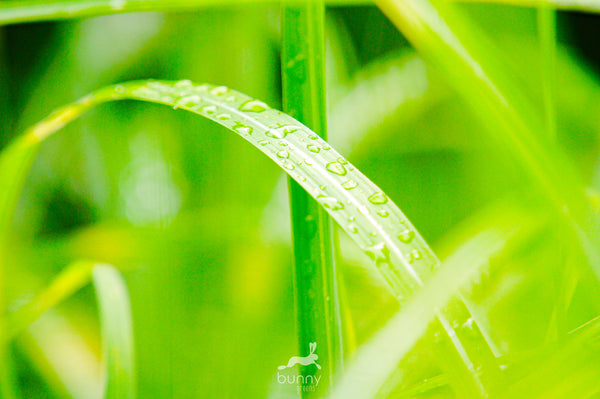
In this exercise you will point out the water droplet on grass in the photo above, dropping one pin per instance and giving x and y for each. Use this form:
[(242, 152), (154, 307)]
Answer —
[(336, 167), (383, 213), (242, 129), (406, 236), (313, 148), (219, 90), (378, 253), (254, 106), (414, 255), (330, 202), (281, 132), (378, 198), (349, 184), (209, 109), (283, 154)]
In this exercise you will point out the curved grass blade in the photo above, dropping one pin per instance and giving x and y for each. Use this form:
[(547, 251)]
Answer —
[(117, 334), (546, 19), (303, 74), (20, 11), (363, 211)]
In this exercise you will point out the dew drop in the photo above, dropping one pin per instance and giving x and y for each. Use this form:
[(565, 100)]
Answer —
[(254, 106), (288, 165), (352, 228), (219, 90), (209, 109), (323, 187), (383, 213), (330, 202), (230, 98), (336, 167), (378, 198), (281, 132), (301, 178), (414, 255), (349, 184), (120, 89), (378, 253), (283, 154), (223, 117), (188, 100), (351, 219), (406, 236), (313, 148), (184, 83), (243, 129), (342, 160)]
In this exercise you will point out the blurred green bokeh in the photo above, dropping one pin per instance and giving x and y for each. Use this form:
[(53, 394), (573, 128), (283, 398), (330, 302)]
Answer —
[(198, 221)]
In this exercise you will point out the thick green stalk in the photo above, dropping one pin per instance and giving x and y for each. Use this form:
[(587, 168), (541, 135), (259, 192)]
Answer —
[(315, 282)]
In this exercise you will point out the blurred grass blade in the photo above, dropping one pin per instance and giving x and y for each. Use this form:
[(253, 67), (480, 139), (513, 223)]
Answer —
[(303, 73), (567, 5), (363, 211), (546, 19), (69, 281), (376, 360), (117, 333), (20, 11)]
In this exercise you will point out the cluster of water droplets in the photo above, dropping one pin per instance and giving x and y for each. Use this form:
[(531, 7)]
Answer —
[(362, 209)]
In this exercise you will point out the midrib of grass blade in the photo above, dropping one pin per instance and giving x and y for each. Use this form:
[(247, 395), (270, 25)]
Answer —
[(361, 209), (20, 11), (315, 278)]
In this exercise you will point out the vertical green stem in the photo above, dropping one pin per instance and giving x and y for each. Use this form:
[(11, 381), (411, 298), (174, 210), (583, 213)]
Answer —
[(317, 304)]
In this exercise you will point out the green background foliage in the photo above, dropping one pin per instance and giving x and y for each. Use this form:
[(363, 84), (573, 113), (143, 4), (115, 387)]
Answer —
[(479, 120)]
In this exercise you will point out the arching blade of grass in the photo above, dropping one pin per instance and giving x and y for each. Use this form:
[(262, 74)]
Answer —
[(376, 360), (363, 211), (20, 11), (315, 278), (117, 334)]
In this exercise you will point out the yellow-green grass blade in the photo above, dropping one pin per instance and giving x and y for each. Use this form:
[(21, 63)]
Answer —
[(315, 278), (362, 210), (117, 332), (21, 11)]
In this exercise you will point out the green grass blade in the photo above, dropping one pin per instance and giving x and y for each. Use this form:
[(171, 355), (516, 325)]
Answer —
[(117, 334), (303, 73), (20, 11), (68, 282), (591, 6), (378, 358), (546, 18), (362, 210)]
